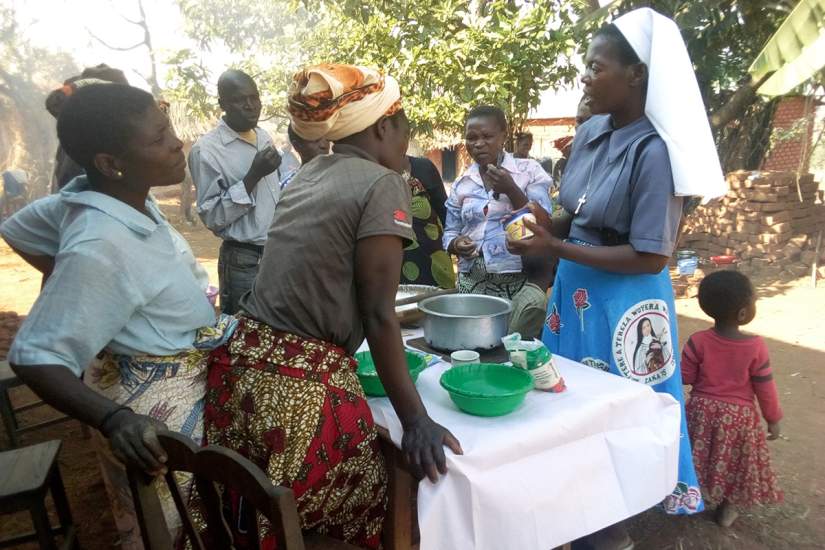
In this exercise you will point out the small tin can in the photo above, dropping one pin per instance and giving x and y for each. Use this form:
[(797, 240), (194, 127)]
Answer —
[(516, 229)]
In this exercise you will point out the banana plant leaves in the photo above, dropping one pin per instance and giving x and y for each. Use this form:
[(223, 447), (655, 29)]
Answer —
[(795, 53)]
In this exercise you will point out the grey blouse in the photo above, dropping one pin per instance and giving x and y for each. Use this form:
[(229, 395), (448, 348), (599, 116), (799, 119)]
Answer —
[(625, 178)]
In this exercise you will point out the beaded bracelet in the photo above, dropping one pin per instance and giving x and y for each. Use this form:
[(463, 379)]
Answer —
[(102, 426)]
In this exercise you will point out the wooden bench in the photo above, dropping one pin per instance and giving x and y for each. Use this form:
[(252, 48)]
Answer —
[(9, 380), (26, 476)]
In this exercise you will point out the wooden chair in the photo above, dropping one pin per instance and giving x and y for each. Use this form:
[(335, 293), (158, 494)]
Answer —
[(211, 465)]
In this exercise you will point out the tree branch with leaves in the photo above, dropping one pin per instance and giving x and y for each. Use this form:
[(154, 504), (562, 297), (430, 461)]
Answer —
[(448, 55)]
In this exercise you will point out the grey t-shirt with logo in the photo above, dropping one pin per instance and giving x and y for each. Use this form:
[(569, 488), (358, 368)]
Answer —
[(306, 280)]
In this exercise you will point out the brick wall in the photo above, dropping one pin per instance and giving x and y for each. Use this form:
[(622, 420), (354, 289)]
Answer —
[(768, 220), (792, 155)]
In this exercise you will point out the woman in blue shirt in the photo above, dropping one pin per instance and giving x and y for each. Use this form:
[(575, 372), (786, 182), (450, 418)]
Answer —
[(490, 190), (622, 192), (123, 283)]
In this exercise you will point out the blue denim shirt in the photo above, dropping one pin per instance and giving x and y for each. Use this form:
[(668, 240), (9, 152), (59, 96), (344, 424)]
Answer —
[(473, 211)]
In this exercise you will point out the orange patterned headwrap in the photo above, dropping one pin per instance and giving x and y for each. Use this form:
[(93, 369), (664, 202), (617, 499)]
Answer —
[(335, 101)]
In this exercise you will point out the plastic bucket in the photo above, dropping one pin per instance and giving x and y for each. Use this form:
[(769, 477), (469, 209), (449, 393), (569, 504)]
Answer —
[(686, 262)]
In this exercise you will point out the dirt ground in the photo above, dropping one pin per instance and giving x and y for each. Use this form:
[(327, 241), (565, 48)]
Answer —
[(790, 318)]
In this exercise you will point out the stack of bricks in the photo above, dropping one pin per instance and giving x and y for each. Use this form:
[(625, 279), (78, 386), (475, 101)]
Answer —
[(768, 220)]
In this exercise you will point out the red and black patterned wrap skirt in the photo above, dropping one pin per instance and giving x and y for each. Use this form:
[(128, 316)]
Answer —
[(294, 407)]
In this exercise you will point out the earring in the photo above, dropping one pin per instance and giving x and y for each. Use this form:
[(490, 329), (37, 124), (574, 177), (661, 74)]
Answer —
[(119, 174)]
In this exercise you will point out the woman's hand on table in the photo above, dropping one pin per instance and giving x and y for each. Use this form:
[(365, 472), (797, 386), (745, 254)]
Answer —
[(423, 445), (543, 242), (134, 441), (463, 246)]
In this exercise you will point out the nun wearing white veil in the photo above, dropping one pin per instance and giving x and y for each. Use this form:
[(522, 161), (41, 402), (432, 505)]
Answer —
[(633, 164)]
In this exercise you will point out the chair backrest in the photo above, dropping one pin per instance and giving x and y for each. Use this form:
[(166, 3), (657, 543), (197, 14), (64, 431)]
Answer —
[(209, 466)]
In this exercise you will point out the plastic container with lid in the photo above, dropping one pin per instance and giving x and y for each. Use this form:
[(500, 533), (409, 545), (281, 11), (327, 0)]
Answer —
[(515, 227), (686, 262)]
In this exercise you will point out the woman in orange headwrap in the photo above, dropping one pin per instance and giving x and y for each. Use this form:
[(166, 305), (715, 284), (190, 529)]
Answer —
[(283, 391)]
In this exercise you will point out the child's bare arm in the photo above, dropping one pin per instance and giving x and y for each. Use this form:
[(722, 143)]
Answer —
[(691, 359)]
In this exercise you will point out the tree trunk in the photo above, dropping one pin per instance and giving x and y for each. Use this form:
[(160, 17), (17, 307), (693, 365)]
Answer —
[(147, 39), (737, 104)]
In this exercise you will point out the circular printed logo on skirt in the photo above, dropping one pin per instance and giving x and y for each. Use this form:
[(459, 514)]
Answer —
[(595, 363), (642, 344)]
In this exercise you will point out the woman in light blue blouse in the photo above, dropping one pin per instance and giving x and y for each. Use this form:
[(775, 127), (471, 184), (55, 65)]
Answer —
[(490, 190), (125, 301)]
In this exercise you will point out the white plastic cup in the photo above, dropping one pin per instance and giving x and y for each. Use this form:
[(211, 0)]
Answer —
[(464, 357)]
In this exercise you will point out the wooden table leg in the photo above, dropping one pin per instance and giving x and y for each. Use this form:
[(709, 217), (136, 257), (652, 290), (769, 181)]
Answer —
[(40, 519), (401, 486), (58, 491)]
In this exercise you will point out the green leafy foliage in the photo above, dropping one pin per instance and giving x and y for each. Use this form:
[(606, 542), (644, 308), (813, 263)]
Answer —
[(448, 55), (723, 38)]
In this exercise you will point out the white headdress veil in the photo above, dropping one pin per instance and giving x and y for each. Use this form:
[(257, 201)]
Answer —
[(674, 105)]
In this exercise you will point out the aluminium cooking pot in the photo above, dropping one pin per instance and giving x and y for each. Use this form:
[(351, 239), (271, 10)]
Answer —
[(465, 321)]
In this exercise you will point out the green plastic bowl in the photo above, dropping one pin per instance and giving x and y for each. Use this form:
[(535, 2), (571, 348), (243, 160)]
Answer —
[(487, 389), (368, 376)]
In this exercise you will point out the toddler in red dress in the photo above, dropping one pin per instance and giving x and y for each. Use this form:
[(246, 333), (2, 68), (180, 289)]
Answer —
[(727, 369)]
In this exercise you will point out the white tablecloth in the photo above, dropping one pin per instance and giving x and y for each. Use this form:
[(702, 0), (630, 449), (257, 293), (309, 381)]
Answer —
[(559, 467)]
